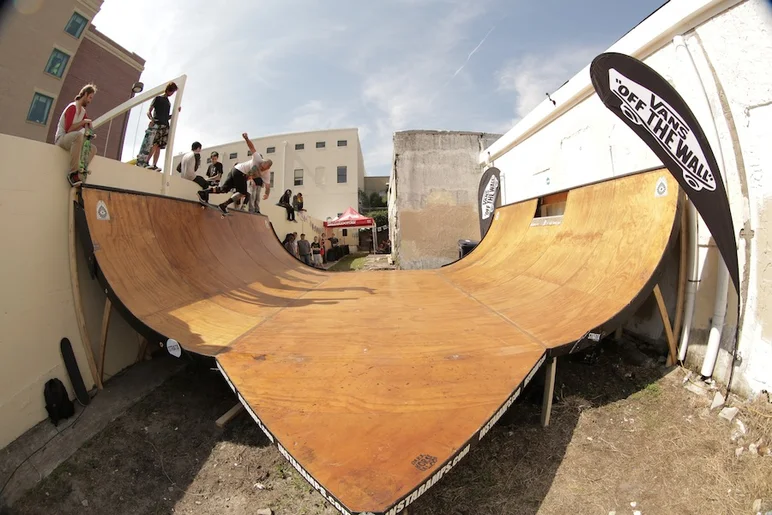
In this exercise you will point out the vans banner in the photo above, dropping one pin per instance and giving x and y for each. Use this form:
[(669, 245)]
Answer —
[(488, 195), (655, 111)]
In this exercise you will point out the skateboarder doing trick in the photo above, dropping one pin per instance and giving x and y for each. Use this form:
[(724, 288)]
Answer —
[(237, 178)]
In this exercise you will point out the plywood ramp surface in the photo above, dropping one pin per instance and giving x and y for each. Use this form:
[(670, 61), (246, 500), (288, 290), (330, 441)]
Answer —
[(374, 384)]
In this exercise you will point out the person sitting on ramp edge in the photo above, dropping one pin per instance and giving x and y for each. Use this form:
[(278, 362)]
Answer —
[(237, 178)]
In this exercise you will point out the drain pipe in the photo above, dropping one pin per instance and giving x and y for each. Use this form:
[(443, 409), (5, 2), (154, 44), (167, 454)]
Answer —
[(722, 274), (692, 277)]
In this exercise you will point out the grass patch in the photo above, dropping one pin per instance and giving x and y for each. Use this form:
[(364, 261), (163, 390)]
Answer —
[(652, 391), (350, 262)]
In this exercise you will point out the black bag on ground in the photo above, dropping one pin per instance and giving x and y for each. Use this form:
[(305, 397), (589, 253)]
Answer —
[(58, 403)]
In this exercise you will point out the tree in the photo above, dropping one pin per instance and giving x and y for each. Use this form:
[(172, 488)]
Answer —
[(364, 200), (376, 200), (381, 217)]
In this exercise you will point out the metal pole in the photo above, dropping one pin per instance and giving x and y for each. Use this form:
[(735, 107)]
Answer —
[(167, 171), (107, 141)]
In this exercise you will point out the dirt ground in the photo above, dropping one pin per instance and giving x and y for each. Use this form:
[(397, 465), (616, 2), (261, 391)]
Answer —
[(622, 439)]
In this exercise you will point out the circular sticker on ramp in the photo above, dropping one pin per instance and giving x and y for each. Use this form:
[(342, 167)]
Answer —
[(661, 189), (101, 211), (174, 348)]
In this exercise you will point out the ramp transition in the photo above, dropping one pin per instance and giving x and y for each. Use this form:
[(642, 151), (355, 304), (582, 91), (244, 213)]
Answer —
[(374, 385)]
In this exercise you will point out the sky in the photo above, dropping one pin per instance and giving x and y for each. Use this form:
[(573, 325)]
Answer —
[(275, 66)]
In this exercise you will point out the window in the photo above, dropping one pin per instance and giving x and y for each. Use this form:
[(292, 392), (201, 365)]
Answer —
[(342, 143), (249, 153), (40, 108), (345, 232), (342, 174), (320, 144), (300, 146), (552, 205), (270, 150), (76, 25), (57, 63), (299, 177), (233, 155), (271, 179)]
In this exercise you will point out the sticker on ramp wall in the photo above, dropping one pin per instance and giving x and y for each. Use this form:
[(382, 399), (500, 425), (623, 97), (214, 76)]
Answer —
[(101, 211), (661, 189), (488, 201), (174, 348)]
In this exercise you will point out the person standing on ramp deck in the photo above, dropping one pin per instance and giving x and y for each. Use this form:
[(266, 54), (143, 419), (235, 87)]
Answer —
[(160, 114), (237, 178)]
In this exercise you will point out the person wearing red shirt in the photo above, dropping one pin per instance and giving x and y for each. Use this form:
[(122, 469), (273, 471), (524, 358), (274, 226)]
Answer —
[(70, 132)]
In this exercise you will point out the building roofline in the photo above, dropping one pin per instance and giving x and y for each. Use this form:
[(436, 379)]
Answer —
[(285, 135), (114, 48)]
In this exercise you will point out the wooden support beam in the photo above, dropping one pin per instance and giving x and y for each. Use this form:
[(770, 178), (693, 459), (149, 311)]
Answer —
[(229, 415), (549, 391), (681, 292), (142, 348), (76, 299), (673, 354), (103, 338)]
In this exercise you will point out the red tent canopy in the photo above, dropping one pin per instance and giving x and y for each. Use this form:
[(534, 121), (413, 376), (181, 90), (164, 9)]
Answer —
[(350, 219)]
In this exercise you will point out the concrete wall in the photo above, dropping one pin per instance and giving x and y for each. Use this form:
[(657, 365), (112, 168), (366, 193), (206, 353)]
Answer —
[(731, 47), (29, 32), (114, 70), (37, 308), (433, 201), (323, 195)]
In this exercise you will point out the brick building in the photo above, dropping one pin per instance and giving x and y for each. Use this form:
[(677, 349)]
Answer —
[(114, 70)]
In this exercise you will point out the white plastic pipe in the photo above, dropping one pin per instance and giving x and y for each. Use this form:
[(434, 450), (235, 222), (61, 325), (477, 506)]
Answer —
[(719, 315), (692, 278), (703, 111)]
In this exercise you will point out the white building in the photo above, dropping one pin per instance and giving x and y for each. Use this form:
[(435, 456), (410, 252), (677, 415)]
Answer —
[(717, 54), (326, 166)]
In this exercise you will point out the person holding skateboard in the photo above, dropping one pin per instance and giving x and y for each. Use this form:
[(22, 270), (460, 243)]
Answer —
[(71, 132), (237, 179), (160, 118)]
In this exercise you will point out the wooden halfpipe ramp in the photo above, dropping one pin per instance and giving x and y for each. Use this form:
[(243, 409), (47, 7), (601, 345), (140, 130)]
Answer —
[(375, 384)]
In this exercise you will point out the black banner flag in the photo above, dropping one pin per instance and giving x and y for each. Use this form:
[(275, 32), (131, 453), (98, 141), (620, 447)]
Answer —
[(655, 111), (488, 195)]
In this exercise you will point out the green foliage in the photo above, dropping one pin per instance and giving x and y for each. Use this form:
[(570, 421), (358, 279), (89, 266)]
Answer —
[(364, 200), (376, 200), (381, 217)]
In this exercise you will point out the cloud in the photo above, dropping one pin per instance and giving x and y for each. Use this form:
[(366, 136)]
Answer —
[(316, 115), (533, 75), (409, 93)]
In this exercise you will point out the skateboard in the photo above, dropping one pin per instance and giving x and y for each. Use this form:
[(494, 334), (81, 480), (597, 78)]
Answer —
[(74, 372), (216, 208), (147, 144), (85, 151)]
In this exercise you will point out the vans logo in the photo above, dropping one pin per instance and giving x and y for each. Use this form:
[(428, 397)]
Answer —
[(644, 108)]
